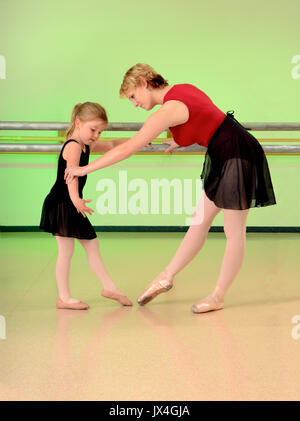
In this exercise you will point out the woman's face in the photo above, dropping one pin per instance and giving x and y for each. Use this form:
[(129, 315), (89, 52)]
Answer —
[(141, 96), (89, 131)]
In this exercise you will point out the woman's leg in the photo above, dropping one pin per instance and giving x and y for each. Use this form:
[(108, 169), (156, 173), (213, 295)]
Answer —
[(110, 290), (195, 237), (235, 231), (65, 252), (191, 244)]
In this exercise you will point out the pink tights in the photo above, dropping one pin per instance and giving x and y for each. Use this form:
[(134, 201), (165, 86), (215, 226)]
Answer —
[(65, 252), (235, 231)]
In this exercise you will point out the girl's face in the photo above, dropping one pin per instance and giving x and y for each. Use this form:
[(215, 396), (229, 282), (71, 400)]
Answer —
[(141, 96), (89, 131)]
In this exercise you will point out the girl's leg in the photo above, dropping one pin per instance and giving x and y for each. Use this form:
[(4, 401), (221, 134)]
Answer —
[(110, 290), (65, 252), (192, 243), (235, 231)]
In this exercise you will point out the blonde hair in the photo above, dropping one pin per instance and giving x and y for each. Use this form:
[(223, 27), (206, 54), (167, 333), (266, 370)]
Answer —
[(86, 112), (140, 71)]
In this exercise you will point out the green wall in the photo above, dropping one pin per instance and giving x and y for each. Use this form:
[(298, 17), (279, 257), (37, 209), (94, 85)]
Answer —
[(243, 54), (27, 179), (60, 52)]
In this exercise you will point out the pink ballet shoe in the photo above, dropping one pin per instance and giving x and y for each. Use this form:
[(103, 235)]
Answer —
[(159, 285), (207, 304), (122, 299), (71, 306)]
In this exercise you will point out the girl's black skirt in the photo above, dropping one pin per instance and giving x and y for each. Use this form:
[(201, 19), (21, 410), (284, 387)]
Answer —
[(235, 171)]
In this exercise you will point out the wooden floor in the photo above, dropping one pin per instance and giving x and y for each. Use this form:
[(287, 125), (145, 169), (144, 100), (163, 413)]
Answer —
[(247, 351)]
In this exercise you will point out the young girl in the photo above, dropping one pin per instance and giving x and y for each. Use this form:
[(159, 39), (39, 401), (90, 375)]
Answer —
[(64, 210), (235, 173)]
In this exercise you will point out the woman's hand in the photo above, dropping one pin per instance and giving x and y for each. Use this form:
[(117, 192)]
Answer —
[(72, 172), (172, 144), (81, 208)]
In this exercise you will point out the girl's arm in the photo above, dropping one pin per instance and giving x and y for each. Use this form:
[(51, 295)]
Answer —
[(103, 146), (72, 154), (172, 113), (106, 145)]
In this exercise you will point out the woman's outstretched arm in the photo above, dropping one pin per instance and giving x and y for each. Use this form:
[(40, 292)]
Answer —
[(172, 113)]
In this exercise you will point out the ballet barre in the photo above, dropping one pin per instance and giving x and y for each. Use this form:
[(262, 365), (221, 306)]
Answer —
[(157, 148), (27, 125)]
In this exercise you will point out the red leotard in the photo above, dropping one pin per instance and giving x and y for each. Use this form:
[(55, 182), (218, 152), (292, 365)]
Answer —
[(204, 116)]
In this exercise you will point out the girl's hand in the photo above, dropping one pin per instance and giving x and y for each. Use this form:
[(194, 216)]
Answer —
[(172, 144), (149, 146), (81, 208), (72, 172)]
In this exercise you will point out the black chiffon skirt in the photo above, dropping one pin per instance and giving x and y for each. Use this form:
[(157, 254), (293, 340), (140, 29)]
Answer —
[(235, 171), (62, 219)]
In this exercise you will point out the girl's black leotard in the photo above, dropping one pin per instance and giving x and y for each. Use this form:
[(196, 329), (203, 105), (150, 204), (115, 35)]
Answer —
[(59, 215)]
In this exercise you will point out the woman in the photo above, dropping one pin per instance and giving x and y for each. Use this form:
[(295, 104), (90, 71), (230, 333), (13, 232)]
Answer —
[(235, 172)]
